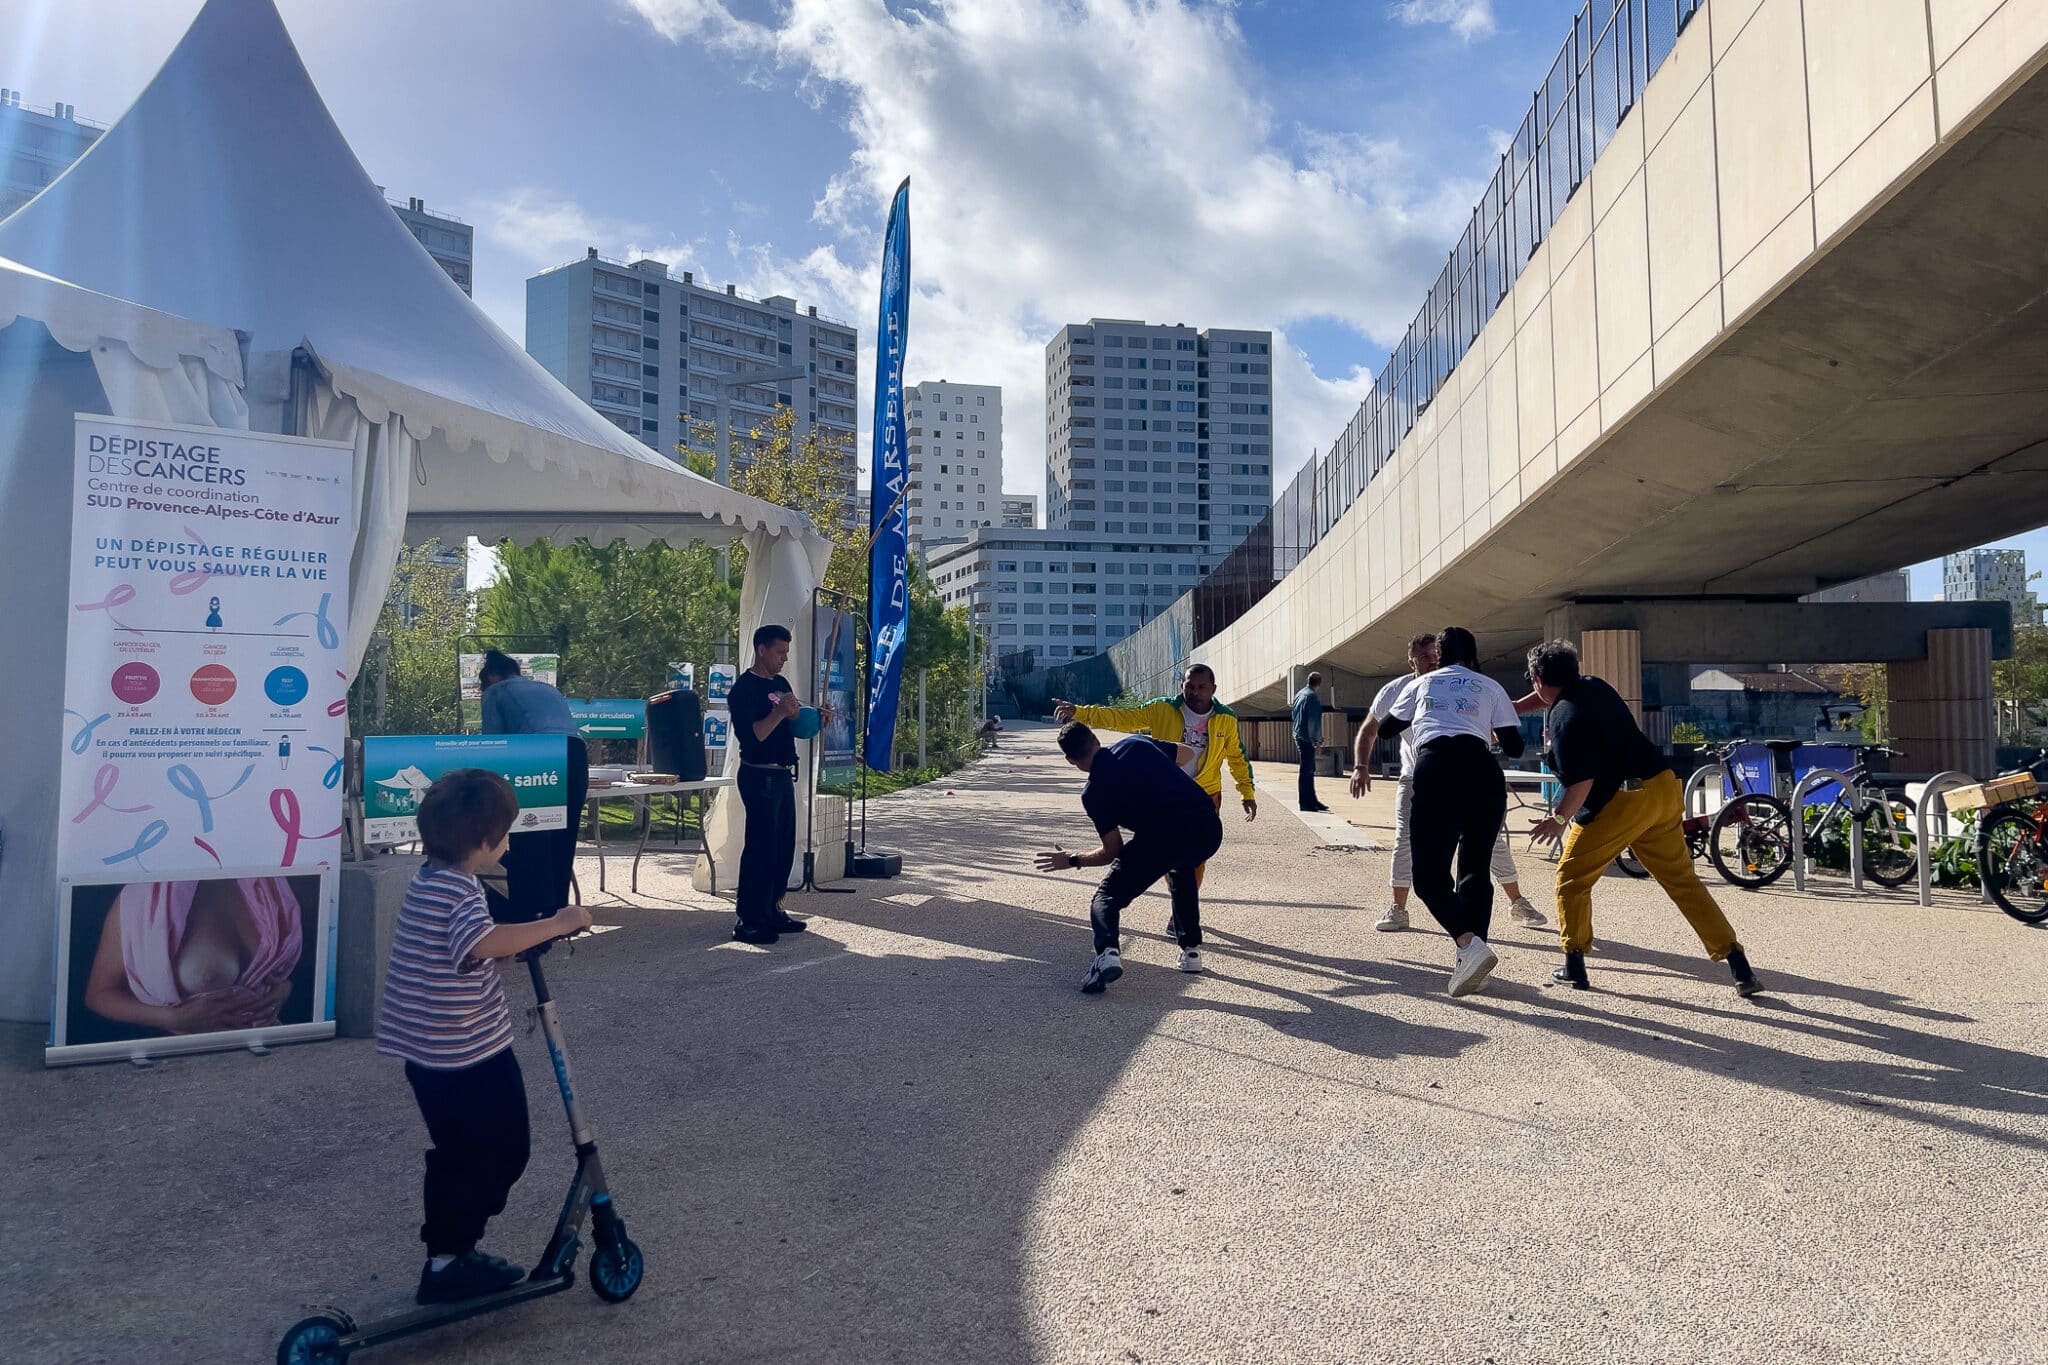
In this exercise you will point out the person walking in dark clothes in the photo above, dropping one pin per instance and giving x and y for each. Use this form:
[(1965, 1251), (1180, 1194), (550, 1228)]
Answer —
[(763, 704), (1308, 734), (1460, 796), (540, 863), (1138, 784)]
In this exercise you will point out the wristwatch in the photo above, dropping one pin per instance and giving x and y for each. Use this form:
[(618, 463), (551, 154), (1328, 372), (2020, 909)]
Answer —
[(1073, 861)]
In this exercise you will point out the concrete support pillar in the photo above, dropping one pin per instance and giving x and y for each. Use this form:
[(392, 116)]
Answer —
[(1941, 707), (1617, 657)]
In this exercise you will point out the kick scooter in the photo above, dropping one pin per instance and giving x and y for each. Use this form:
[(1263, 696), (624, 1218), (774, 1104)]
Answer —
[(330, 1336)]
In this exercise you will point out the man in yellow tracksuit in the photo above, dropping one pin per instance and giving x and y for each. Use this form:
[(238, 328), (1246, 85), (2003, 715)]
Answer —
[(1194, 718)]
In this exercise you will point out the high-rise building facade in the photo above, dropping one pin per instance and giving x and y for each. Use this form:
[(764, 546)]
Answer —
[(1061, 594), (449, 240), (955, 435), (666, 359), (1159, 431), (38, 145), (1020, 511), (1991, 576)]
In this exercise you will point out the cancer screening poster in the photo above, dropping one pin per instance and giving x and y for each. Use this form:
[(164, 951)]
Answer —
[(205, 698)]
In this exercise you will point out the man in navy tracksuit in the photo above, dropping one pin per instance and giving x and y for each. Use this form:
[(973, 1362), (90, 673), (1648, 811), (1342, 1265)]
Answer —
[(1138, 784)]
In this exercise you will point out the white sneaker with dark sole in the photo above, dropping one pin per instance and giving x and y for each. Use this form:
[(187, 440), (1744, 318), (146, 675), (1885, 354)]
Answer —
[(1191, 959), (1394, 921), (1107, 967), (1525, 914), (1475, 964)]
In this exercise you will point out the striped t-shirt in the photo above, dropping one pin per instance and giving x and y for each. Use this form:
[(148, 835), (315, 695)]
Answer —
[(443, 1008)]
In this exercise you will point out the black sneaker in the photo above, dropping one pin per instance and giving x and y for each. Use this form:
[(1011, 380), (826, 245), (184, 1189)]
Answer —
[(466, 1277), (1746, 983), (747, 934), (1573, 973), (1107, 967), (789, 924)]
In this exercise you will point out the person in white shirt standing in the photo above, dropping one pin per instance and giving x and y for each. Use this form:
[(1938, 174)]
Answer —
[(1461, 799), (1422, 658)]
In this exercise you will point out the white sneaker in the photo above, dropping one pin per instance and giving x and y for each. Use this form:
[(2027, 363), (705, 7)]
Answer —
[(1525, 914), (1107, 967), (1394, 921), (1191, 959), (1475, 963)]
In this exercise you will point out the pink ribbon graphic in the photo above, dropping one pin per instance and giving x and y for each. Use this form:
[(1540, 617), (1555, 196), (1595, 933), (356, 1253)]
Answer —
[(209, 848), (103, 787), (120, 596), (190, 580), (284, 808)]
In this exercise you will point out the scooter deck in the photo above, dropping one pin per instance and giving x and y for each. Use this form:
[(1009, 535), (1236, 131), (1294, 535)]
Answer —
[(438, 1314)]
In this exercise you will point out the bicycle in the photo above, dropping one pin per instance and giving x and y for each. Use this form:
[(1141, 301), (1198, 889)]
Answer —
[(1748, 840), (2012, 844), (1764, 847)]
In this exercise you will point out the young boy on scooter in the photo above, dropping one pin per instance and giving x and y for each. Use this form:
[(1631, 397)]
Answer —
[(445, 1015)]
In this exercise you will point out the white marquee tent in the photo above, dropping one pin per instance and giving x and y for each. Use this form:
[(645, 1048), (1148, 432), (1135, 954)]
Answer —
[(226, 198)]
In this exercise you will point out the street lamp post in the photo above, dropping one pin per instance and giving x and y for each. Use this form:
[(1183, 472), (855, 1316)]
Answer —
[(722, 382)]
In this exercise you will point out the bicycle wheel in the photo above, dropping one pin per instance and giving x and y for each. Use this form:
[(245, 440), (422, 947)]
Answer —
[(1890, 854), (1750, 841), (2010, 859), (1626, 861)]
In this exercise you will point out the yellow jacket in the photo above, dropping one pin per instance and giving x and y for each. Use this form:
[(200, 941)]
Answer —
[(1161, 719)]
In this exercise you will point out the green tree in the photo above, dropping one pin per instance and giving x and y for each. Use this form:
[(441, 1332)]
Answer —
[(624, 612), (811, 474), (412, 655), (2021, 685)]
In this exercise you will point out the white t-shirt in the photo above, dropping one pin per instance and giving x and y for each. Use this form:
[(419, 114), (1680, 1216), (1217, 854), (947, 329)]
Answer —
[(1455, 701), (1195, 734), (1383, 706)]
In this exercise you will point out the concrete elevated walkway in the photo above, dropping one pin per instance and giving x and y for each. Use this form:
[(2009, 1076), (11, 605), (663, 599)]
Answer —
[(1790, 332), (905, 1137)]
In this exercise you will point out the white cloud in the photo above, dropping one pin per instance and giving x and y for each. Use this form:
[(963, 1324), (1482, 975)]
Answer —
[(1468, 19), (1107, 158)]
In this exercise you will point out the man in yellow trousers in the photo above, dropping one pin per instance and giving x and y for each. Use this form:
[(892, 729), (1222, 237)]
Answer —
[(1194, 718), (1619, 792)]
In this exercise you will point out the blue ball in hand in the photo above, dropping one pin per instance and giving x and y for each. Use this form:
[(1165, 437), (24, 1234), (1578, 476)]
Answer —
[(807, 723)]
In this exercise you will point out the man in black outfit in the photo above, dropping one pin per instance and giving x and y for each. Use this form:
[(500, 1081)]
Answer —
[(1138, 784), (762, 704)]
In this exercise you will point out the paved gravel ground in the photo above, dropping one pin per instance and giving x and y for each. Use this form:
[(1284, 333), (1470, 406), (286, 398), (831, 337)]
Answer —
[(906, 1137)]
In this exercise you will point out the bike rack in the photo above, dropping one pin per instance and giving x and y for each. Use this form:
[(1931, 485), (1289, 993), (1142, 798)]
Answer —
[(1696, 785), (1931, 799), (1820, 777)]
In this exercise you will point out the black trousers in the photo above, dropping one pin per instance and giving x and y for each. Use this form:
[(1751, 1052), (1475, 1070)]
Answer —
[(769, 795), (1305, 787), (476, 1119), (540, 864), (1460, 801), (1144, 860)]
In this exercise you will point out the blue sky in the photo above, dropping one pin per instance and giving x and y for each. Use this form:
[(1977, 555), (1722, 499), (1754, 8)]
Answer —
[(1295, 164)]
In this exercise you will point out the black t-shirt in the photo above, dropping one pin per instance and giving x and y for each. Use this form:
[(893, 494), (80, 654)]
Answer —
[(1594, 736), (1137, 784), (753, 697)]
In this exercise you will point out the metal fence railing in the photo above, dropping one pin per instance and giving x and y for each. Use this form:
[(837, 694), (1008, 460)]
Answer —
[(1596, 81)]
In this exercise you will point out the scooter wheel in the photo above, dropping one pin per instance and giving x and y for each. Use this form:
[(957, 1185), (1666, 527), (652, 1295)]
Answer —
[(315, 1341), (615, 1270)]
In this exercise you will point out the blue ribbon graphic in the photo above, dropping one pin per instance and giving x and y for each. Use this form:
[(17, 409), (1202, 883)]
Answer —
[(152, 834), (330, 638), (186, 783)]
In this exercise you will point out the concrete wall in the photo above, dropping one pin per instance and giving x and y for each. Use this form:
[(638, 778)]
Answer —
[(1774, 128)]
